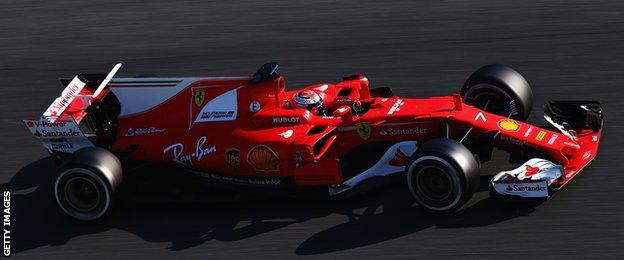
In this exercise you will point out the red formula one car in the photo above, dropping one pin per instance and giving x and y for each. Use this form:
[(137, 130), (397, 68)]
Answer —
[(250, 130)]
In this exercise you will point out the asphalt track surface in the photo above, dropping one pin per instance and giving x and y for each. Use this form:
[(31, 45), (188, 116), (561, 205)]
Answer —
[(566, 49)]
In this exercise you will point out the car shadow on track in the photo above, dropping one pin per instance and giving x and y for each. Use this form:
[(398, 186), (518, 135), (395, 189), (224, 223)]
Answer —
[(182, 210)]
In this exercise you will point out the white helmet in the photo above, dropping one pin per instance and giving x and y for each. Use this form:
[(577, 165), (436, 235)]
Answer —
[(308, 99)]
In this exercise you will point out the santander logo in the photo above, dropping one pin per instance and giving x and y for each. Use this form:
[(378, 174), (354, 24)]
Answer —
[(524, 188)]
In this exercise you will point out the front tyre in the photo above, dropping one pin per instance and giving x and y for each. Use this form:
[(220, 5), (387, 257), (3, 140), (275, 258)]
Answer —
[(443, 175), (86, 182), (500, 90)]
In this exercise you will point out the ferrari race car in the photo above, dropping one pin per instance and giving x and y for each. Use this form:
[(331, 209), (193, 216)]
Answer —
[(252, 131)]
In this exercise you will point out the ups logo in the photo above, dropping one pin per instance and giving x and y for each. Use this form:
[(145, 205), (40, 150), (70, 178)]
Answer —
[(232, 157)]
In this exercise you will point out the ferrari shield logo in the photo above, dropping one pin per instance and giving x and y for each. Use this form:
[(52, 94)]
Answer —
[(199, 96), (364, 130)]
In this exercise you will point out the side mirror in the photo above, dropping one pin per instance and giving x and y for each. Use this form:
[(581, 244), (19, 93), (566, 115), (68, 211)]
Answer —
[(344, 112), (266, 71), (384, 92)]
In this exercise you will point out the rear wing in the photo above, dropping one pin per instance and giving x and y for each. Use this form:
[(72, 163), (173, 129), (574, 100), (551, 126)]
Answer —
[(76, 88), (58, 128)]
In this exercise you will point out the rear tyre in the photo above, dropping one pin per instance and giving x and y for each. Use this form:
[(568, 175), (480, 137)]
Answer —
[(86, 183), (500, 90), (442, 175)]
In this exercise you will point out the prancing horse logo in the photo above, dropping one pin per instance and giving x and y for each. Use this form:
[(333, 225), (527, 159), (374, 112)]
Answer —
[(364, 130), (199, 96)]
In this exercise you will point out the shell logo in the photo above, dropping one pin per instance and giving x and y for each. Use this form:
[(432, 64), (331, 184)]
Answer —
[(262, 158), (508, 125)]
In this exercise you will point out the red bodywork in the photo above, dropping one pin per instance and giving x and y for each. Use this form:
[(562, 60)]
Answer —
[(271, 138)]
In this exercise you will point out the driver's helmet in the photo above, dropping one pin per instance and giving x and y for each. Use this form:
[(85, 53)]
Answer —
[(308, 99)]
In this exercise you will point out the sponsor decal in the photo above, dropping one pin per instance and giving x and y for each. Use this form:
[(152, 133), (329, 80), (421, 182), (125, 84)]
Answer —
[(402, 131), (45, 123), (400, 159), (262, 158), (553, 138), (242, 180), (55, 133), (481, 116), (63, 136), (67, 96), (586, 155), (530, 171), (61, 145), (572, 144), (342, 109), (322, 87), (284, 119), (511, 140), (286, 134), (344, 100), (523, 189), (396, 106), (199, 95), (540, 135), (528, 131), (508, 125), (363, 130), (594, 138), (232, 157), (307, 115), (254, 106), (144, 131), (179, 157), (216, 116), (224, 107)]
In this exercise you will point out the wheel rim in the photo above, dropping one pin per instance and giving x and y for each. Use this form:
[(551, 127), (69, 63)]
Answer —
[(82, 194), (434, 183), (492, 99)]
